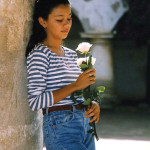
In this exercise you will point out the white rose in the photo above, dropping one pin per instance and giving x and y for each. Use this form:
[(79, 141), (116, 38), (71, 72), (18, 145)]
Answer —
[(93, 60), (84, 47), (80, 60)]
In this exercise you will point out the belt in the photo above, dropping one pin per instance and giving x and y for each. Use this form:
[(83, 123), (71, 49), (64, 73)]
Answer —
[(63, 107)]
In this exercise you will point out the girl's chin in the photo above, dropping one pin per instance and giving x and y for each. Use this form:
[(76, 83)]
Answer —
[(64, 37)]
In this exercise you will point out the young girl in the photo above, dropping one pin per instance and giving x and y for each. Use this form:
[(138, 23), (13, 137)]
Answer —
[(53, 75)]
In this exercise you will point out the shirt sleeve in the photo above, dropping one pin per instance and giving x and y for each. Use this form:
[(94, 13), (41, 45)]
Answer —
[(37, 66)]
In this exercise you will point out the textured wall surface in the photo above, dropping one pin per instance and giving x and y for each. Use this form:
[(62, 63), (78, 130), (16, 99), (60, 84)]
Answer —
[(20, 128)]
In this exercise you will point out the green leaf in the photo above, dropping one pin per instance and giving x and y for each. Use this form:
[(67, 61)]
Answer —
[(83, 66), (100, 89), (87, 102), (80, 95)]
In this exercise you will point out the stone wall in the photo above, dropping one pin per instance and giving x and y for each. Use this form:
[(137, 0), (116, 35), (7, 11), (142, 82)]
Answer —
[(20, 128)]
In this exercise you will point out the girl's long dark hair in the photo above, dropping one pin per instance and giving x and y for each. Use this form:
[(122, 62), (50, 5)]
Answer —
[(42, 8)]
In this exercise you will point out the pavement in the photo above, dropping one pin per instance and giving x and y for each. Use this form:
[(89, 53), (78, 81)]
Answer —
[(124, 128)]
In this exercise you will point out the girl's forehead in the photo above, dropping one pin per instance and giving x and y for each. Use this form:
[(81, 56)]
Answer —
[(61, 10)]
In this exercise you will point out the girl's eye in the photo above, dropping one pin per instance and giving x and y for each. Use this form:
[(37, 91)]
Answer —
[(70, 19), (59, 20)]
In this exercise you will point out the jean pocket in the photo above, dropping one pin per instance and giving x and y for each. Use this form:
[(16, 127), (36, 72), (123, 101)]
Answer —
[(64, 118)]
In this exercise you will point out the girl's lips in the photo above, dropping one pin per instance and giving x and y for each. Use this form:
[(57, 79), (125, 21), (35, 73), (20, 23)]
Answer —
[(65, 31)]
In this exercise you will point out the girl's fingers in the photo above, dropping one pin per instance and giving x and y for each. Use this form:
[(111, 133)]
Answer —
[(92, 78), (93, 119), (94, 109), (97, 120), (89, 70), (93, 112), (90, 74), (90, 110), (90, 115)]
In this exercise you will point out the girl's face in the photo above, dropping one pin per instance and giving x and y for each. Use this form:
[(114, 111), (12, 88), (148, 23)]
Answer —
[(59, 22)]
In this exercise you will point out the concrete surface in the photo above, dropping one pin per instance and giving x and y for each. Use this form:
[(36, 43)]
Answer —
[(124, 128)]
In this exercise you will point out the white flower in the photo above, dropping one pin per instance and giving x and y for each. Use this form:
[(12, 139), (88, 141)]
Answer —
[(80, 60), (84, 47), (93, 60)]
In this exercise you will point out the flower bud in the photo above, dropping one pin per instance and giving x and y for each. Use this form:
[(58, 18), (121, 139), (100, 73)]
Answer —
[(80, 60), (84, 47)]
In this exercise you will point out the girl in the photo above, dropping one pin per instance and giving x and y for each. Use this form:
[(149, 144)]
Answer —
[(53, 75)]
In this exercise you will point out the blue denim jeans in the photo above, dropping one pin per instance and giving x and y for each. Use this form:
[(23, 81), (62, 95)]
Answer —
[(67, 130)]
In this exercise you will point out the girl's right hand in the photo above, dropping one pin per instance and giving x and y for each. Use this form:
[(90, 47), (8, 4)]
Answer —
[(85, 79)]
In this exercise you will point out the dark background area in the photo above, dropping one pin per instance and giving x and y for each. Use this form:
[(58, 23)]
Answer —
[(134, 30), (135, 24)]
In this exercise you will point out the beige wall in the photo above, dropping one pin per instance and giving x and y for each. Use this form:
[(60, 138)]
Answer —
[(20, 129)]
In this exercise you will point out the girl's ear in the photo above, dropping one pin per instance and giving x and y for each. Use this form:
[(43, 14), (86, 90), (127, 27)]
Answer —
[(42, 22)]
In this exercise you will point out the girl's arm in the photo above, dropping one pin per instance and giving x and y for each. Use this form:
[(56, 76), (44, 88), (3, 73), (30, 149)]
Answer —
[(82, 82)]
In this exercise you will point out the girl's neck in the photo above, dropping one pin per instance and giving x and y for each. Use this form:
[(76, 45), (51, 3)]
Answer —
[(55, 46), (52, 42)]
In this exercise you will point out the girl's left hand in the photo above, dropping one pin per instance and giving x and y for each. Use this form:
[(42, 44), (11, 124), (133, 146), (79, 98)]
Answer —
[(93, 112)]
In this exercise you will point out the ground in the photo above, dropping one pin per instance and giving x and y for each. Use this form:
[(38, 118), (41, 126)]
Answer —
[(124, 128)]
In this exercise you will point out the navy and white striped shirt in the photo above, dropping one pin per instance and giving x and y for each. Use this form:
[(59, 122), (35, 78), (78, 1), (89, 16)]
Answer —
[(46, 72)]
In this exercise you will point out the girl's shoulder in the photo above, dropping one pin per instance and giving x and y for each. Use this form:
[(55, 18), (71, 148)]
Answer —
[(40, 49), (70, 51)]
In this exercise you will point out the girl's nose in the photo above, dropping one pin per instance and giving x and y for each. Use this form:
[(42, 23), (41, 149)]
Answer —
[(68, 22)]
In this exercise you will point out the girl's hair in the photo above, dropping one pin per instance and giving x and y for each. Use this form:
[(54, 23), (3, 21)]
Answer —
[(42, 8)]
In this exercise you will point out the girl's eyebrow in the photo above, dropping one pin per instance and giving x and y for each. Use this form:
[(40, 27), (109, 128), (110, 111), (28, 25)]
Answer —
[(63, 15)]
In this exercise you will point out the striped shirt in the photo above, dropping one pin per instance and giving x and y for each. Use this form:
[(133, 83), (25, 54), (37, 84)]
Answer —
[(46, 72)]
